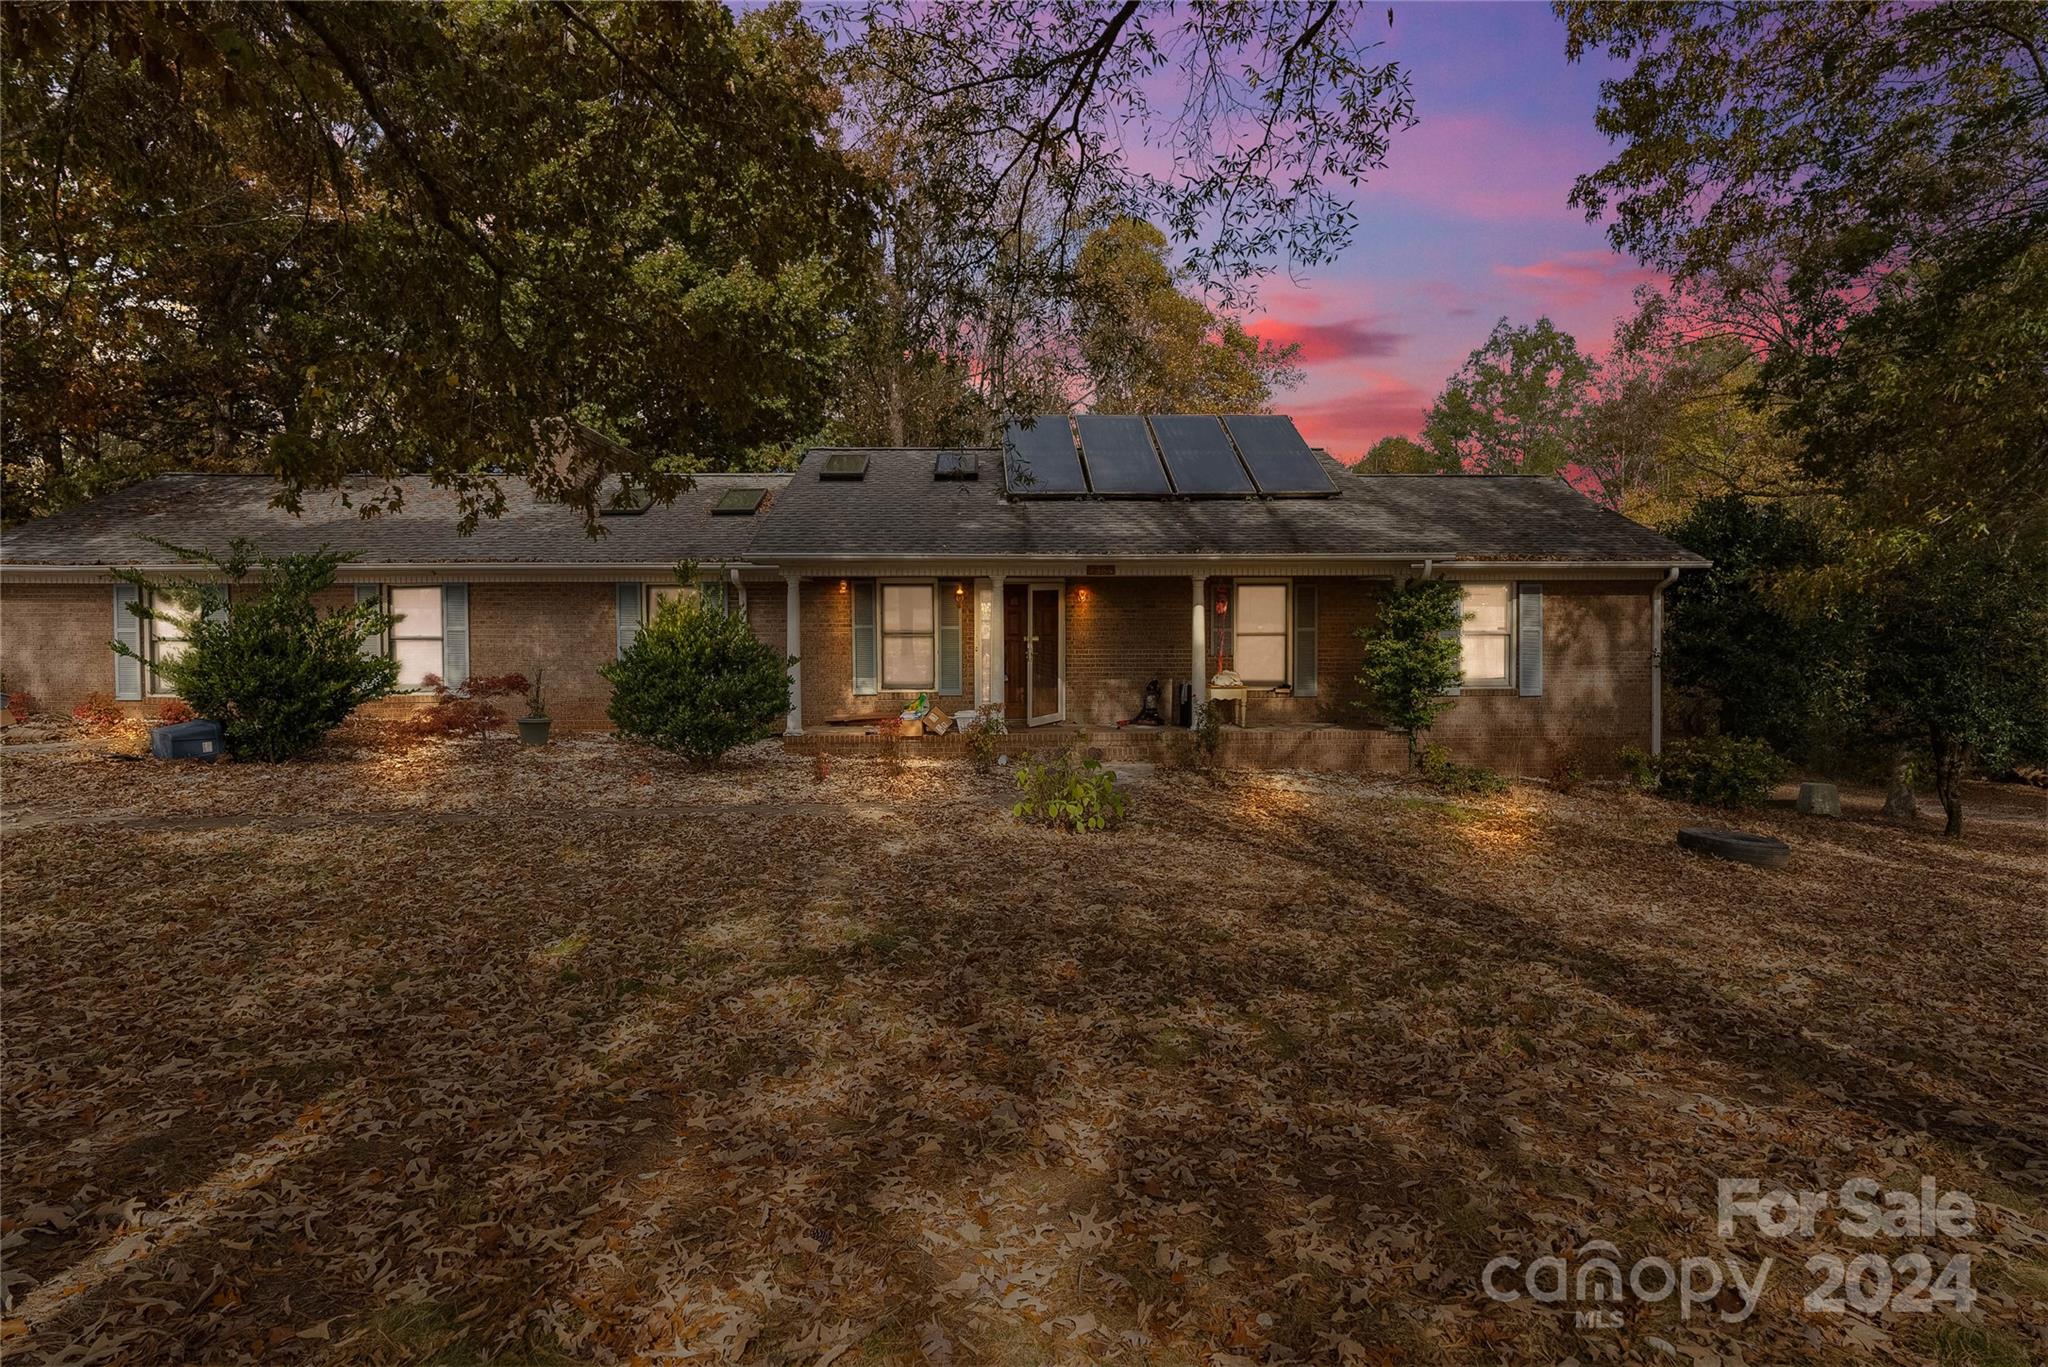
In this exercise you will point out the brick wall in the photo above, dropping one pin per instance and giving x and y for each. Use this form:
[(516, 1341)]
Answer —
[(54, 641), (564, 631), (1596, 688), (1122, 633)]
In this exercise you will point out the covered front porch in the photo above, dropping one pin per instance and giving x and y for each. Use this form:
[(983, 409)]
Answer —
[(1068, 653), (1075, 648)]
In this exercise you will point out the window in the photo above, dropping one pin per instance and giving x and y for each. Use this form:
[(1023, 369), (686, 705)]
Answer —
[(909, 651), (716, 594), (416, 637), (167, 633), (1483, 641), (1261, 634)]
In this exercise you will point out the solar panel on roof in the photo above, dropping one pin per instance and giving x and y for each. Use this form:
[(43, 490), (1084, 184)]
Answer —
[(1120, 459), (845, 465), (738, 502), (1200, 458), (1280, 461), (1039, 459)]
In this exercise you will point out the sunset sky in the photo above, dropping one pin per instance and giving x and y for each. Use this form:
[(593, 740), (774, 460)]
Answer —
[(1467, 223)]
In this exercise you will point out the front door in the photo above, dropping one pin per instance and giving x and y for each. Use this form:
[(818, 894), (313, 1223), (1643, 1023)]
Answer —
[(1031, 653)]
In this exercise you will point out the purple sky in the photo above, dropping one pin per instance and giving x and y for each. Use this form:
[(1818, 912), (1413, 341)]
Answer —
[(1467, 223)]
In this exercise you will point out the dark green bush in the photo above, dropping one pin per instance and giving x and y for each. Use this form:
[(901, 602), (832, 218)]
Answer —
[(1458, 780), (271, 669), (1412, 658), (696, 681), (1718, 771), (1067, 796)]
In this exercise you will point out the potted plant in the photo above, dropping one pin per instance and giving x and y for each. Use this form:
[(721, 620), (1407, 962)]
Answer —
[(533, 727)]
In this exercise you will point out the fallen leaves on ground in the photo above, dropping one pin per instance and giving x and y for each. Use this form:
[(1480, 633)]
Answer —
[(580, 1055)]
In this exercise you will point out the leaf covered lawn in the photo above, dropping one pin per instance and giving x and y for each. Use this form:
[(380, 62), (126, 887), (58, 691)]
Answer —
[(466, 1053)]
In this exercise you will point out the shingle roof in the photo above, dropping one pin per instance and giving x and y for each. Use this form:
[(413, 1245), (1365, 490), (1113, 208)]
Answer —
[(899, 509), (209, 511)]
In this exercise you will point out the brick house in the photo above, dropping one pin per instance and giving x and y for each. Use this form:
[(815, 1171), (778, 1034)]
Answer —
[(1054, 578)]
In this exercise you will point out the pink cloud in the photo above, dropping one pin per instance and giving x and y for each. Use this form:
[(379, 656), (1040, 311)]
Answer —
[(1347, 423), (1575, 279), (1350, 339)]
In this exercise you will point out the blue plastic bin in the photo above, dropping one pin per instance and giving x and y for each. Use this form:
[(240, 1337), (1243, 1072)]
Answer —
[(186, 740)]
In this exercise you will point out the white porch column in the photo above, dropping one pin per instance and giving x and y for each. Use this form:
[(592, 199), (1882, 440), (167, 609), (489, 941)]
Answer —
[(996, 691), (794, 634), (1201, 639)]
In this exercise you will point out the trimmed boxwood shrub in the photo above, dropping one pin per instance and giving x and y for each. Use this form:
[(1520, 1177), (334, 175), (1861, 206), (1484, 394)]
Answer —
[(697, 682)]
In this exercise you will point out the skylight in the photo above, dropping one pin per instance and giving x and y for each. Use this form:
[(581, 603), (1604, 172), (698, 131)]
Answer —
[(845, 465), (738, 502)]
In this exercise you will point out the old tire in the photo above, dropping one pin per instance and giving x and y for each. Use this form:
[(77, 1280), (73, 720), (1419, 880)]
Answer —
[(1740, 846)]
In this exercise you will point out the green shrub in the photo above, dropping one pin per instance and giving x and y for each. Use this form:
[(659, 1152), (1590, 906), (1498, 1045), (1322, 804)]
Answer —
[(1412, 656), (1718, 771), (1458, 780), (697, 682), (985, 741), (268, 666), (1067, 796)]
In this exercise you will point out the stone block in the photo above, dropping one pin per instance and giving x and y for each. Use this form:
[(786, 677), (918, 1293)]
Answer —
[(1819, 799)]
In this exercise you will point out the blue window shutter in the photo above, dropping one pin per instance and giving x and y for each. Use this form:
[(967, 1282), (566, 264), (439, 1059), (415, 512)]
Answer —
[(1304, 640), (948, 644), (455, 634), (1455, 636), (1529, 639), (867, 650), (629, 615), (128, 631), (371, 593)]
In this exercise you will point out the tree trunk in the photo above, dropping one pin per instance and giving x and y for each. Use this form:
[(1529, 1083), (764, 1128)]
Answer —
[(1899, 803), (896, 401), (1948, 767)]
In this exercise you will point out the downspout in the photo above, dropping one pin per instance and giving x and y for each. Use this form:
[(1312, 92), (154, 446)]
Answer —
[(1657, 661)]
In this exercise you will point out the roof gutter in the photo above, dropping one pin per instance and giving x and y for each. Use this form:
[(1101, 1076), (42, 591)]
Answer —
[(1444, 558)]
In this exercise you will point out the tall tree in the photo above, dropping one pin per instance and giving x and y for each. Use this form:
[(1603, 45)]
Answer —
[(1820, 169), (563, 240), (1403, 456), (1149, 345), (1516, 405), (1002, 125), (1671, 422)]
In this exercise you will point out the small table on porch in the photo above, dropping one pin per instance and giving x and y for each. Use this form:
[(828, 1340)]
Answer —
[(1229, 693)]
